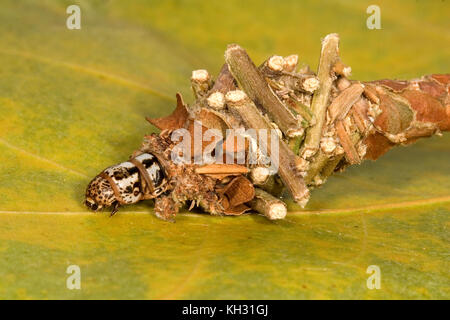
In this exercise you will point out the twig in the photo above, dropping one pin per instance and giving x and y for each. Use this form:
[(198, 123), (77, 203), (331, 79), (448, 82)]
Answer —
[(253, 83), (341, 105), (290, 63), (303, 110), (201, 83), (295, 143), (240, 103), (216, 168), (359, 114), (320, 160), (341, 69), (272, 66), (328, 57), (371, 94), (266, 204), (329, 168), (224, 82), (259, 175), (216, 100), (351, 154), (307, 83)]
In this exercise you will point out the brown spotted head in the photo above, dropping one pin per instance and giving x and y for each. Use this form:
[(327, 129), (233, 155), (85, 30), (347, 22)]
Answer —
[(99, 194)]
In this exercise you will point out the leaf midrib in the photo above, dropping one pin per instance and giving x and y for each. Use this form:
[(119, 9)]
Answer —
[(371, 208)]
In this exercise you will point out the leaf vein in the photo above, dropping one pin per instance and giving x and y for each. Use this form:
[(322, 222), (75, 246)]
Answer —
[(91, 71), (42, 159)]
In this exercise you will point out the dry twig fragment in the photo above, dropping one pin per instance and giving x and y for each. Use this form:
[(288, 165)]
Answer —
[(230, 169), (351, 153), (341, 105), (201, 82), (266, 204), (290, 63), (328, 57), (254, 85), (341, 69)]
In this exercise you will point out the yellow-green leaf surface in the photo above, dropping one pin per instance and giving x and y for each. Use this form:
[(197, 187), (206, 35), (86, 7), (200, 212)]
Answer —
[(73, 102)]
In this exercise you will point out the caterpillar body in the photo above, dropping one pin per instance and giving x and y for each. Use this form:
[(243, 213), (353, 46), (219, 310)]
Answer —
[(140, 178)]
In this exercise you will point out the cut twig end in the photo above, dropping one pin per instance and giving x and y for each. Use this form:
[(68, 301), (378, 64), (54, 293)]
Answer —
[(290, 63), (328, 38), (268, 205), (201, 82), (277, 211), (311, 84), (303, 201), (341, 69), (259, 175), (216, 100), (230, 48), (276, 63), (236, 98), (200, 76)]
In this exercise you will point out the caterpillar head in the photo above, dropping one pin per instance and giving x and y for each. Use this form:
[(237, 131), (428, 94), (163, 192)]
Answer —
[(100, 194)]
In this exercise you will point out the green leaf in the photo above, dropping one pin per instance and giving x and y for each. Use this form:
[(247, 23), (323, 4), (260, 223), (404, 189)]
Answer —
[(73, 102)]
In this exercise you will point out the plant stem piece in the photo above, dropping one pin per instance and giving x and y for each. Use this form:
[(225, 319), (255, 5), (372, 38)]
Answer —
[(290, 63), (319, 161), (253, 83), (259, 175), (359, 114), (273, 66), (302, 110), (351, 154), (225, 81), (216, 100), (201, 83), (341, 69), (216, 168), (341, 105), (328, 57), (266, 204)]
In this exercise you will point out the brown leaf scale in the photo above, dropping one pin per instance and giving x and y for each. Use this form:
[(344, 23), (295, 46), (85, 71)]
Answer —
[(430, 107), (442, 78), (239, 191), (396, 116), (434, 89), (177, 119), (427, 108), (395, 85), (377, 145)]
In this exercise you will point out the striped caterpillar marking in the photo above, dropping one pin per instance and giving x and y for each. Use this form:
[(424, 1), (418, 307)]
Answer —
[(126, 183)]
